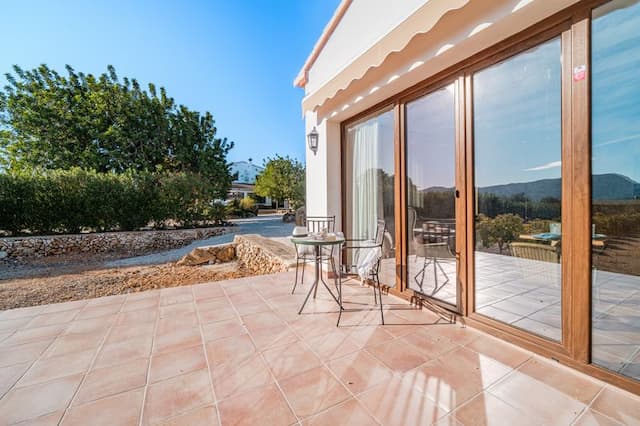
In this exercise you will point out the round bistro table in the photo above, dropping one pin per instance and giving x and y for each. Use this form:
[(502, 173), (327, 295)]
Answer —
[(317, 245)]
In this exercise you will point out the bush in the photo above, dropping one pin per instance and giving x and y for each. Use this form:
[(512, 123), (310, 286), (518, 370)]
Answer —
[(74, 200)]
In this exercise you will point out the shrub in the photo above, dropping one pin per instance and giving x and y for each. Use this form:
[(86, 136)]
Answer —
[(75, 200)]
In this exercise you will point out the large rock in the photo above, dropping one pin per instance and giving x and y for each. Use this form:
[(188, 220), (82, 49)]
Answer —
[(220, 253)]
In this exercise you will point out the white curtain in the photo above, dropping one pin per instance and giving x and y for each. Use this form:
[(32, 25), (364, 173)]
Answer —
[(366, 180)]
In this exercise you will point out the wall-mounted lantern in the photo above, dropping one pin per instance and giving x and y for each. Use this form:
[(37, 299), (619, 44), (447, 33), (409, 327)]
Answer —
[(312, 139)]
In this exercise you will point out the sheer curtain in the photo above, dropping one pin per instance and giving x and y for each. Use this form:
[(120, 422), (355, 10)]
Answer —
[(366, 182)]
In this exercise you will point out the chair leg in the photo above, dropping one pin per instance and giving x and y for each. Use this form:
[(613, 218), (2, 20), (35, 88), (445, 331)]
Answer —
[(380, 296), (295, 282), (304, 264)]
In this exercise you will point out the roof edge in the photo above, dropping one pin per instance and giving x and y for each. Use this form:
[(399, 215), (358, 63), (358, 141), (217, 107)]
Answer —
[(303, 76)]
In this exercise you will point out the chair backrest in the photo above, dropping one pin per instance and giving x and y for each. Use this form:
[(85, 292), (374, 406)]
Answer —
[(318, 223), (381, 228), (535, 251)]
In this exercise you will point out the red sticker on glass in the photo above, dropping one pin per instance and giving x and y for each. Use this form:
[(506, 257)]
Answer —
[(579, 72)]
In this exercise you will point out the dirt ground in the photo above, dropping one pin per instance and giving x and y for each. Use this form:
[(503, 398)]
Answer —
[(73, 284)]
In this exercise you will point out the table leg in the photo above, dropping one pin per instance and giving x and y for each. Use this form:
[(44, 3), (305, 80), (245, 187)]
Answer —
[(314, 287)]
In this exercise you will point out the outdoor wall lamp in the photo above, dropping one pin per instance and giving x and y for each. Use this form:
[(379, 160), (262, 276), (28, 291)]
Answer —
[(312, 138)]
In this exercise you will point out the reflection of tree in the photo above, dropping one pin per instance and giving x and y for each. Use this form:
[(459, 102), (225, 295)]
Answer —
[(492, 205)]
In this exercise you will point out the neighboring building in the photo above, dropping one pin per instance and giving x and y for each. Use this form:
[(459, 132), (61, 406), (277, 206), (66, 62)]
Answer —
[(500, 142), (245, 183)]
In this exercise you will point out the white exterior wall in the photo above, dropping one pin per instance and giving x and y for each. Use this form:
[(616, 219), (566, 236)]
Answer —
[(323, 171), (363, 24)]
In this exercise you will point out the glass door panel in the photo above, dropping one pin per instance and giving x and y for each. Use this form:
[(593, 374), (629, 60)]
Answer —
[(517, 173), (431, 219), (369, 186), (616, 187)]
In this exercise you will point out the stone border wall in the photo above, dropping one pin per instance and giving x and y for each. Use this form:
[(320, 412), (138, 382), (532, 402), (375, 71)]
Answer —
[(23, 249), (263, 255)]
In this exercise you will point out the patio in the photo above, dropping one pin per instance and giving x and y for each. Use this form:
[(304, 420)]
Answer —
[(236, 352)]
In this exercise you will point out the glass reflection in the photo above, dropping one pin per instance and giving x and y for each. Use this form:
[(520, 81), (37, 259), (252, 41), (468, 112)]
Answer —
[(431, 263), (616, 187), (517, 155)]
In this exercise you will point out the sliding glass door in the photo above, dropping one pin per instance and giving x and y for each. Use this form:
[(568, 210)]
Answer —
[(615, 195), (431, 186), (369, 185), (517, 129)]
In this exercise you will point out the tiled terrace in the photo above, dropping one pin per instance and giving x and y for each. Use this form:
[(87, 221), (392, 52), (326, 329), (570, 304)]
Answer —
[(236, 352)]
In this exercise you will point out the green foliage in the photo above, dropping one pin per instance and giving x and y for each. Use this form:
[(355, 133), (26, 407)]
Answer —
[(51, 121), (546, 208), (245, 207), (248, 203), (283, 178), (621, 225), (500, 230), (76, 199)]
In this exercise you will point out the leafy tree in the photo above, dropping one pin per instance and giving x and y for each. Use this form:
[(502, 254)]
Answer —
[(506, 228), (283, 178), (102, 123)]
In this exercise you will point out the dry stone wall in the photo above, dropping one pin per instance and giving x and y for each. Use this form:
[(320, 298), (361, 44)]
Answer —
[(23, 249), (263, 255)]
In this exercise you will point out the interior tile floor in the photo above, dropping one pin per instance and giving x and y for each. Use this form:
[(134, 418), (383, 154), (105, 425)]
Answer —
[(237, 352)]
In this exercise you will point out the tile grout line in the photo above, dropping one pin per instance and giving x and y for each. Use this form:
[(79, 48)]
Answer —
[(326, 365), (204, 350), (91, 363), (153, 341), (275, 380)]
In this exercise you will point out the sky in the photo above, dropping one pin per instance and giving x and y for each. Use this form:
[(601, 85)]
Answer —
[(236, 59)]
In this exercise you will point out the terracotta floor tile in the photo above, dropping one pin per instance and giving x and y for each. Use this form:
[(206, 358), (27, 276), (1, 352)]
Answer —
[(399, 356), (537, 398), (430, 346), (312, 325), (27, 312), (122, 409), (396, 403), (456, 377), (46, 369), (21, 337), (11, 325), (123, 351), (52, 419), (205, 416), (70, 343), (167, 365), (213, 315), (34, 401), (134, 305), (182, 298), (44, 320), (500, 351), (360, 371), (251, 307), (207, 291), (264, 405), (93, 325), (106, 300), (177, 323), (289, 360), (333, 345), (346, 413), (456, 333), (99, 311), (222, 329), (136, 317), (23, 353), (313, 391), (266, 338), (103, 382), (126, 332), (619, 405), (249, 373), (213, 304), (487, 410), (177, 309), (257, 321), (180, 339), (229, 350), (177, 395), (9, 375), (591, 417)]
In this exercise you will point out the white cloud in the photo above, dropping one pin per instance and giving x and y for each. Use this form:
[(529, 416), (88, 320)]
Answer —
[(547, 166)]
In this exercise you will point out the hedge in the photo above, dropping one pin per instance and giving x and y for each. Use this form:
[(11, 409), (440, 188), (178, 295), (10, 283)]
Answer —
[(77, 199)]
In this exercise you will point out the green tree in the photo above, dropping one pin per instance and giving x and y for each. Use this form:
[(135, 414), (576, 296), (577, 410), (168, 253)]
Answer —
[(505, 229), (283, 178), (54, 121)]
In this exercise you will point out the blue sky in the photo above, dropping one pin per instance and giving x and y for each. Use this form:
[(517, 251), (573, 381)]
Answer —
[(236, 59)]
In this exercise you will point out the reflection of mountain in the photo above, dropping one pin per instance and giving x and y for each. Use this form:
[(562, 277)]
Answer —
[(610, 186)]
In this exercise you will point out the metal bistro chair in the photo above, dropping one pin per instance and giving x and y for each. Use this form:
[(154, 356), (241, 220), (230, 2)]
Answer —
[(437, 244), (306, 254), (355, 246)]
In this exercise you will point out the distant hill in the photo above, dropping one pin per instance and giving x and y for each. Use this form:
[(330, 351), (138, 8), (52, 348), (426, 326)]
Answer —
[(246, 172), (610, 186)]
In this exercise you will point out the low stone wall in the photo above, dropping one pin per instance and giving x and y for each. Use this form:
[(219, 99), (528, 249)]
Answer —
[(23, 249), (263, 255)]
